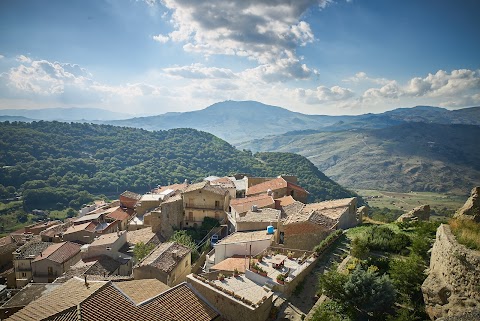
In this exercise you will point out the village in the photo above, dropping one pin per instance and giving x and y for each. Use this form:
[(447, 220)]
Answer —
[(85, 268)]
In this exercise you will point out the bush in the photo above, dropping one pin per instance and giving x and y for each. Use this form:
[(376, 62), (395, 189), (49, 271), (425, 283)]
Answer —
[(326, 242), (331, 311), (467, 232), (383, 238), (359, 248)]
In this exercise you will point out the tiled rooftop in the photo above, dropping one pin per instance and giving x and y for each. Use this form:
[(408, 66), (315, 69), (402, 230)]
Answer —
[(173, 198), (224, 182), (131, 195), (58, 300), (242, 205), (239, 237), (28, 293), (59, 252), (89, 226), (166, 256), (119, 214), (32, 249), (178, 303), (175, 187), (104, 265), (324, 213), (108, 238), (205, 185), (273, 185), (260, 215), (141, 290), (89, 217), (286, 200)]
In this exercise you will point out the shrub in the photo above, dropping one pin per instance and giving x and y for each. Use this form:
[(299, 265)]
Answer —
[(359, 248), (467, 232)]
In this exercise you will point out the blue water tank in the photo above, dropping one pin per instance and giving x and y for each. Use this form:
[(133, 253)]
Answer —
[(270, 229)]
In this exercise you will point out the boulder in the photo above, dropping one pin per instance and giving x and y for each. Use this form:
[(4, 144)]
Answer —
[(421, 213), (471, 209)]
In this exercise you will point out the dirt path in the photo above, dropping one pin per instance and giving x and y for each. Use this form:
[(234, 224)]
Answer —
[(300, 304)]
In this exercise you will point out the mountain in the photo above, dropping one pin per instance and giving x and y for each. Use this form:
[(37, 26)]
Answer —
[(60, 164), (408, 157), (234, 121), (65, 114)]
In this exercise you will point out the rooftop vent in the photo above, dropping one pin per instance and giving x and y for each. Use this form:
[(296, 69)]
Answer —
[(254, 208)]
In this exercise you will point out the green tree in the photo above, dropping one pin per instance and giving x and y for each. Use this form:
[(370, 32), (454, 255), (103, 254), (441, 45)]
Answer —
[(359, 248), (408, 275), (141, 250), (182, 237)]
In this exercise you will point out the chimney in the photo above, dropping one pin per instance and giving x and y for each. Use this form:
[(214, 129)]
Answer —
[(254, 208)]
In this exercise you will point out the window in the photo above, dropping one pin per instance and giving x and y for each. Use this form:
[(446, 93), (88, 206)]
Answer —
[(190, 216), (186, 263), (24, 275), (217, 204), (50, 270)]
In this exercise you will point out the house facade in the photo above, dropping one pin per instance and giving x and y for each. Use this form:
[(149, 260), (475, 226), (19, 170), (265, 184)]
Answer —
[(202, 200), (169, 263), (54, 261)]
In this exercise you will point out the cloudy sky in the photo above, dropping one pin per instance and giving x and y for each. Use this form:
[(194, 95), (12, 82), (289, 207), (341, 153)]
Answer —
[(312, 56)]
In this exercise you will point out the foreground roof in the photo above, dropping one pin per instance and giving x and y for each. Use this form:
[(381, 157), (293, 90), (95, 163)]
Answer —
[(129, 300), (67, 296)]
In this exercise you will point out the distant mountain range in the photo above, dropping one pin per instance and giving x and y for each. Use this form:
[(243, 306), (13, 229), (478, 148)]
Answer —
[(241, 121), (61, 114)]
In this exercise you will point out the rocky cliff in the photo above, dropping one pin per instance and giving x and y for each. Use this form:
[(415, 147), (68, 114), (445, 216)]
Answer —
[(453, 283), (471, 208), (420, 213)]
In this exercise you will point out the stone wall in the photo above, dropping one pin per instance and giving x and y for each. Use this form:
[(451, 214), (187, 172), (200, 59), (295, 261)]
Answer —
[(304, 235), (453, 284), (230, 308)]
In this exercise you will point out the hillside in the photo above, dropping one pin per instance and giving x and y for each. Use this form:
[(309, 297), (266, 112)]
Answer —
[(412, 156), (61, 164)]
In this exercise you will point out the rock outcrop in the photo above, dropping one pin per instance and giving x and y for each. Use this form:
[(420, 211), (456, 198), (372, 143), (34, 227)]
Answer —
[(471, 208), (452, 287), (421, 213)]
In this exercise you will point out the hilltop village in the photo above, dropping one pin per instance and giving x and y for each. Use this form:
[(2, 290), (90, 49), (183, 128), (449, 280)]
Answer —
[(86, 268)]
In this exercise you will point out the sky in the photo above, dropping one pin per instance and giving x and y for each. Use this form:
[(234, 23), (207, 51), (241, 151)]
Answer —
[(149, 57)]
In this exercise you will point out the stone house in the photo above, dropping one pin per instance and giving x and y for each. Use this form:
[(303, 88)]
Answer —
[(22, 260), (202, 200), (129, 199), (54, 261), (107, 244), (257, 219), (148, 202), (306, 225), (227, 184), (279, 187), (121, 215), (169, 262), (80, 233), (167, 217)]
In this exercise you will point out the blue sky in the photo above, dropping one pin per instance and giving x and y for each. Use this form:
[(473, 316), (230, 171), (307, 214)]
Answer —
[(315, 57)]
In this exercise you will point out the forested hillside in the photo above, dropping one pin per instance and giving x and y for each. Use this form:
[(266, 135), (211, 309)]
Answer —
[(409, 157), (58, 164)]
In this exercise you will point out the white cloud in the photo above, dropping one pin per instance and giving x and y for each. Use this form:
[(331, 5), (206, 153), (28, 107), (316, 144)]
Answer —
[(199, 71), (324, 94), (267, 32), (22, 58), (2, 56), (161, 38), (362, 77), (455, 87)]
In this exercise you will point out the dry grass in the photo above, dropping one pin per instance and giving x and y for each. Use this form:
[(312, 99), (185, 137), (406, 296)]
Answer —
[(467, 232)]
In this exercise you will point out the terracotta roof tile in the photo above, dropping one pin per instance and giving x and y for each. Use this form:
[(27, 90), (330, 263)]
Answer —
[(119, 214), (273, 185), (165, 256), (88, 226), (205, 185), (260, 215), (58, 300), (242, 205), (131, 195), (59, 252), (141, 290), (178, 303), (286, 200), (32, 249)]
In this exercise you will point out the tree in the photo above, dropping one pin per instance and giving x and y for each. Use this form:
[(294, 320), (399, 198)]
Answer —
[(359, 248), (182, 237), (408, 275), (141, 250)]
